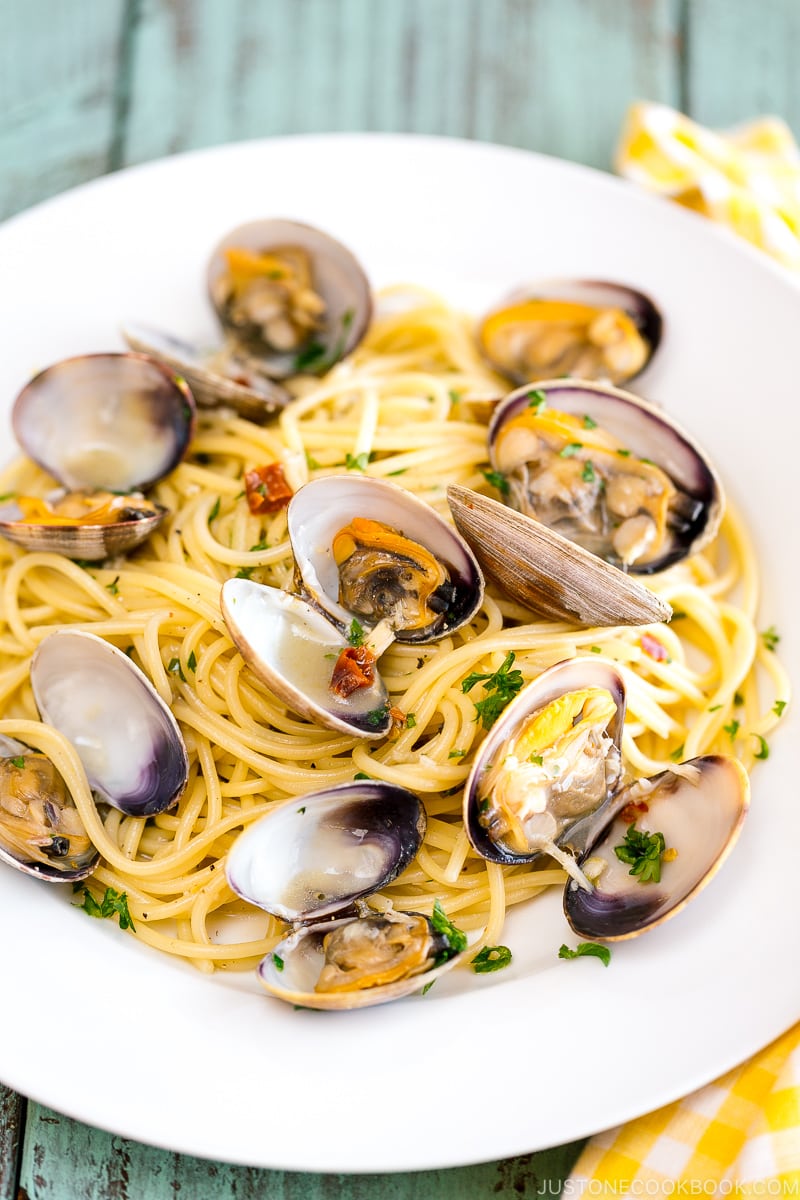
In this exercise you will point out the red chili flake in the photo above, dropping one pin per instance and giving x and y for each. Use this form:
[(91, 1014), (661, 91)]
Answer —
[(633, 810), (652, 646), (353, 670), (266, 488)]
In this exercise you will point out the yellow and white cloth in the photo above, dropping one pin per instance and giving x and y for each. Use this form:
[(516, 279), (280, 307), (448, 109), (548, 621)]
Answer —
[(740, 1136), (747, 178)]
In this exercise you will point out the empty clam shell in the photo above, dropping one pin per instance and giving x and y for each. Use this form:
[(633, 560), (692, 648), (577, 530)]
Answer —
[(125, 735), (116, 422), (298, 297), (232, 379), (311, 857), (699, 820), (294, 649)]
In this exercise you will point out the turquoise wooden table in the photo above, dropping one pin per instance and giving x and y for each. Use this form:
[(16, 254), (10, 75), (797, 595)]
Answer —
[(90, 87)]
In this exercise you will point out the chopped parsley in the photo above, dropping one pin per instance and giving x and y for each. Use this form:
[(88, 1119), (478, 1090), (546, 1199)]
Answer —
[(763, 750), (732, 729), (311, 357), (259, 546), (454, 396), (537, 759), (498, 480), (311, 463), (355, 634), (738, 699), (624, 453), (642, 851), (278, 961), (7, 496), (500, 687), (570, 449), (778, 707), (456, 939), (587, 950), (491, 958), (18, 762), (361, 775), (357, 462), (112, 587), (191, 661), (770, 637), (176, 668), (301, 810), (411, 720), (212, 516), (677, 753), (456, 754), (377, 716), (244, 573), (588, 474), (715, 708), (537, 400), (114, 903), (589, 422), (596, 649)]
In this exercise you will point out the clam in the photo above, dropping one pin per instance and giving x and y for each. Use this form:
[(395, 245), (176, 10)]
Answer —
[(608, 471), (41, 832), (372, 564), (312, 858), (291, 300), (105, 426), (367, 549), (292, 293), (585, 329), (125, 735), (549, 781)]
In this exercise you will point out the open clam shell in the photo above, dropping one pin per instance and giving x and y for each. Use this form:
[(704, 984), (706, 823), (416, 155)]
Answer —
[(313, 857), (230, 379), (546, 572), (700, 820), (613, 472), (41, 833), (116, 422), (305, 307), (292, 971), (309, 858), (323, 508), (587, 329), (546, 785), (89, 543), (293, 648), (125, 735)]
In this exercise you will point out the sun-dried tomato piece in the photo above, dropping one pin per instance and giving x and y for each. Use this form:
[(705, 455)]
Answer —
[(266, 488), (633, 810), (353, 670)]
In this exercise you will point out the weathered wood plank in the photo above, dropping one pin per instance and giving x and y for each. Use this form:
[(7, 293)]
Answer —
[(551, 75), (743, 61), (64, 1160), (58, 72), (12, 1122)]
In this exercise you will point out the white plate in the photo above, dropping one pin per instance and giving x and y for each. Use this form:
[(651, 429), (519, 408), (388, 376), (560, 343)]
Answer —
[(483, 1067)]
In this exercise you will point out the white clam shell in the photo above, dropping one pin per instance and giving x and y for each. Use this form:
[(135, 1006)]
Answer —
[(293, 648)]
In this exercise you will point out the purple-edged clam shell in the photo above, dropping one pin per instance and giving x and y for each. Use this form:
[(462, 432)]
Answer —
[(312, 856), (648, 433), (567, 676), (115, 422), (126, 737), (700, 821)]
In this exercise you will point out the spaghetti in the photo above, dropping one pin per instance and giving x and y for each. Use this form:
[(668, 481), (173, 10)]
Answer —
[(408, 405)]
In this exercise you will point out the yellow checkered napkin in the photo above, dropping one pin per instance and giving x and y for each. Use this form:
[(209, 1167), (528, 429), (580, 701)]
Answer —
[(739, 1136), (747, 178)]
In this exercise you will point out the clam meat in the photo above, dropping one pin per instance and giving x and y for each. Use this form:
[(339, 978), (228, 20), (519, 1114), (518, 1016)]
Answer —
[(581, 329), (41, 832), (606, 470)]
